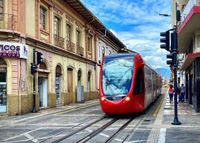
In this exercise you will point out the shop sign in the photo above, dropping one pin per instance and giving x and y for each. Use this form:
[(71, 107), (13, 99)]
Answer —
[(13, 50)]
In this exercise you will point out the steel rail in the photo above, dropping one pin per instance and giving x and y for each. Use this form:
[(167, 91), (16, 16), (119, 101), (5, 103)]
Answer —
[(71, 134), (99, 130)]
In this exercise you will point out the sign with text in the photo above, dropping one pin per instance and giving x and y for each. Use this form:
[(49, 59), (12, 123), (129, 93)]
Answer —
[(13, 50)]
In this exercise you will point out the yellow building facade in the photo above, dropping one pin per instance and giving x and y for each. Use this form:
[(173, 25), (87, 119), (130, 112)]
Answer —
[(67, 40)]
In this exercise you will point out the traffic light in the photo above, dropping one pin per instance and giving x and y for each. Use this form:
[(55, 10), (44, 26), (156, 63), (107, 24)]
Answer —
[(174, 41), (39, 58), (170, 59), (33, 68), (178, 15), (165, 40)]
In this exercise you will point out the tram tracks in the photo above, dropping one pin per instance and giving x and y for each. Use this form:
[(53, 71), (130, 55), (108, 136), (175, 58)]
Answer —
[(88, 132), (99, 130), (107, 123), (77, 131)]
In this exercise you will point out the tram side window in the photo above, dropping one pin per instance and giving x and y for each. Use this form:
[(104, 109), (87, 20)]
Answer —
[(139, 86)]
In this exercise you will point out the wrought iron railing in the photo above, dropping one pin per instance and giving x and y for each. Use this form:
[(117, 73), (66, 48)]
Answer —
[(79, 50), (70, 46), (58, 41), (8, 21)]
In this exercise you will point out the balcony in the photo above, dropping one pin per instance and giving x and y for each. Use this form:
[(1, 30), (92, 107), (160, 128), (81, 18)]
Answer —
[(188, 59), (8, 22), (79, 50), (189, 24), (190, 4), (70, 46), (58, 41)]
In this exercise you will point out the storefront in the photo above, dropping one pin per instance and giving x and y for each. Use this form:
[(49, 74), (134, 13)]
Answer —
[(11, 52), (3, 86)]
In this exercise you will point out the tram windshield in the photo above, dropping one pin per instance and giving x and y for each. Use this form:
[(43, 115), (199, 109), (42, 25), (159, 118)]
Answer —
[(117, 76)]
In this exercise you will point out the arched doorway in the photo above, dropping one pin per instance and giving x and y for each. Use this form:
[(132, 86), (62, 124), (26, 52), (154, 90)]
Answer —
[(3, 86), (43, 86), (70, 83), (58, 84), (89, 81), (79, 88)]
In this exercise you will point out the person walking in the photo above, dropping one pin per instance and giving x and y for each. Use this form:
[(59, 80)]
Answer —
[(182, 92), (171, 92)]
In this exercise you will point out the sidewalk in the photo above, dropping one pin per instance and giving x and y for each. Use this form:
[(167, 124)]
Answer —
[(187, 132)]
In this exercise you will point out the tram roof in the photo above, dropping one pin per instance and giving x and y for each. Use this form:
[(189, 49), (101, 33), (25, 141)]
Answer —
[(120, 55)]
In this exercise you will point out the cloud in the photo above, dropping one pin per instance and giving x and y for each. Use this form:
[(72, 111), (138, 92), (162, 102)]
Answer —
[(137, 24)]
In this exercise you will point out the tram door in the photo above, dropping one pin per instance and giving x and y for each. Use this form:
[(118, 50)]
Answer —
[(42, 87), (3, 94)]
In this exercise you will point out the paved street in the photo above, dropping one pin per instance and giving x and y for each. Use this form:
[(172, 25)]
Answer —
[(85, 122), (77, 123)]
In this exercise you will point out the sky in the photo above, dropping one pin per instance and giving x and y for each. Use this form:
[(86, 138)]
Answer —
[(137, 24)]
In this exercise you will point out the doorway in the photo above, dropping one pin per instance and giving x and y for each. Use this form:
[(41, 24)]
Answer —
[(70, 80), (3, 86), (58, 85), (42, 89)]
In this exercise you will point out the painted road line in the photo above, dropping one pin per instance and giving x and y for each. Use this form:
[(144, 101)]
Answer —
[(33, 139), (162, 135), (23, 134)]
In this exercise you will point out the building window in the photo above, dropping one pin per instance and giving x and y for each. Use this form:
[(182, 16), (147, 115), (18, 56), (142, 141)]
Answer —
[(57, 26), (1, 10), (68, 32), (78, 37), (89, 40), (43, 18), (1, 6)]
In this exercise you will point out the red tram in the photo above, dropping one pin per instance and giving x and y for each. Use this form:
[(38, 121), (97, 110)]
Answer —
[(127, 84)]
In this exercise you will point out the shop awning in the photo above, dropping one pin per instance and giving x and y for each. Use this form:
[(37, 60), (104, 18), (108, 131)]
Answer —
[(188, 60)]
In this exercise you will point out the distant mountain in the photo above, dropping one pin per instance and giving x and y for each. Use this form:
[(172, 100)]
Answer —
[(165, 73)]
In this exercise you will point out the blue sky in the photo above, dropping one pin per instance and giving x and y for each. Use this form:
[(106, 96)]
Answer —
[(136, 23)]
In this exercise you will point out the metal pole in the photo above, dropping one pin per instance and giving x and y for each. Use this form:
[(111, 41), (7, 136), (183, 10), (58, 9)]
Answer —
[(175, 40), (34, 91)]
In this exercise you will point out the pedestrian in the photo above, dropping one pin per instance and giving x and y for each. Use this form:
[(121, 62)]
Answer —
[(171, 92), (182, 92)]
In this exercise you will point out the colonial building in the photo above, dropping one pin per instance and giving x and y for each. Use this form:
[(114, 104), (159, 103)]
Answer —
[(189, 45), (66, 33)]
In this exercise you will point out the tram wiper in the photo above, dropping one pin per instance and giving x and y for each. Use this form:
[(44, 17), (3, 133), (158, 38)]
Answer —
[(107, 83)]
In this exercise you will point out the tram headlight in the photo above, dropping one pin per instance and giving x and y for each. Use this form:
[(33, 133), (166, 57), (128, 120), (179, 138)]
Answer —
[(127, 99), (103, 98)]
